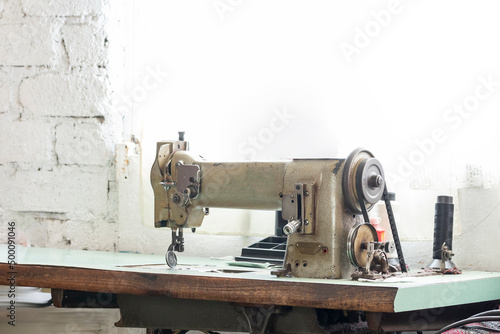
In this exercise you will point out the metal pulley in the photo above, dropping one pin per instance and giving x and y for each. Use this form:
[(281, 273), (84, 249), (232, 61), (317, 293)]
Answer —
[(358, 237), (363, 185), (362, 181)]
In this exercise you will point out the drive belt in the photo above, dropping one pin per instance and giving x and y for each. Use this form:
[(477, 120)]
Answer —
[(390, 214), (394, 229)]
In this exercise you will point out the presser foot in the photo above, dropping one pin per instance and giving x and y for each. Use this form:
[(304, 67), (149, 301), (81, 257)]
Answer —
[(176, 245)]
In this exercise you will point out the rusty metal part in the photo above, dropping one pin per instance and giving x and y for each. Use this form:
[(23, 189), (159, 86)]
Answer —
[(359, 236), (283, 272)]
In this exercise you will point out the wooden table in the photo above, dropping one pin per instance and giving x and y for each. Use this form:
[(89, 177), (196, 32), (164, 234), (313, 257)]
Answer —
[(195, 279)]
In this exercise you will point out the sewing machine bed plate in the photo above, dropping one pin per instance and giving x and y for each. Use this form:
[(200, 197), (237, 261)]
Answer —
[(206, 279)]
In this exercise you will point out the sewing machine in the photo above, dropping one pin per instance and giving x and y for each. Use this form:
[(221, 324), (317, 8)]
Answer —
[(324, 201)]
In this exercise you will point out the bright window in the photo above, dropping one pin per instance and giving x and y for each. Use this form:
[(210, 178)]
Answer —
[(416, 83)]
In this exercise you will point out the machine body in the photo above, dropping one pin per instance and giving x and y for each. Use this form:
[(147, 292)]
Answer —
[(322, 200)]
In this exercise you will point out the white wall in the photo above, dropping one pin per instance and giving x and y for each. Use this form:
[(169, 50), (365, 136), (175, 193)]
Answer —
[(57, 130)]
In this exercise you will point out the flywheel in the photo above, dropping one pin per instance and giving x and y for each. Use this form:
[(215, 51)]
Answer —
[(358, 237), (362, 180)]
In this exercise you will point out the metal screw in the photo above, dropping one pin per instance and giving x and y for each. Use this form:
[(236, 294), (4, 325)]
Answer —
[(297, 187), (375, 181), (306, 193), (306, 222), (176, 198)]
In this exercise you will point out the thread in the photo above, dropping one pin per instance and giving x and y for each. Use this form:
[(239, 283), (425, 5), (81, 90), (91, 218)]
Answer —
[(443, 225)]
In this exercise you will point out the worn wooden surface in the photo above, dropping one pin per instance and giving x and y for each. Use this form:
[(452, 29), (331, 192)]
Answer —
[(206, 279), (208, 288)]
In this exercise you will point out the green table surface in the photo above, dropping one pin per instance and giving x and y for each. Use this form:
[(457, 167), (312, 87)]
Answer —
[(413, 293)]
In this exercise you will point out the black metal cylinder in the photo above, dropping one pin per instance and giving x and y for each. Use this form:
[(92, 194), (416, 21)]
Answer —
[(443, 225)]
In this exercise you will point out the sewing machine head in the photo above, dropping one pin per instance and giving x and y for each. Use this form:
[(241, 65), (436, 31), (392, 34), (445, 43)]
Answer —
[(325, 201)]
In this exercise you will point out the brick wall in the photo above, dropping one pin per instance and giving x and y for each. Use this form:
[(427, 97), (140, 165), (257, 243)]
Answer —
[(56, 125)]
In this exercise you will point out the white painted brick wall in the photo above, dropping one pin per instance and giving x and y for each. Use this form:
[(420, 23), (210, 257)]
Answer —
[(62, 7), (29, 42), (4, 92), (26, 141), (80, 143), (10, 80), (65, 94), (57, 130), (76, 192), (85, 44)]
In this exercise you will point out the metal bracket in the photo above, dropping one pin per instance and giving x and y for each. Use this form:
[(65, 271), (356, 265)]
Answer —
[(309, 248), (298, 209), (188, 178), (188, 184), (446, 255)]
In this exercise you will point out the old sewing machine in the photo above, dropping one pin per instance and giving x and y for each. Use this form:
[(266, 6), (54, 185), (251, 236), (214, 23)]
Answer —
[(325, 201)]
